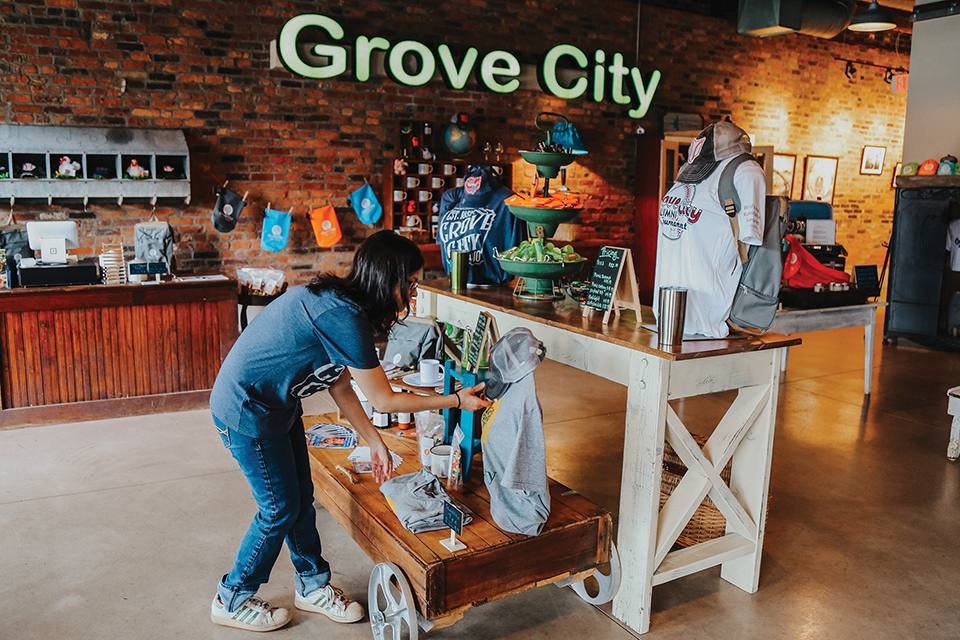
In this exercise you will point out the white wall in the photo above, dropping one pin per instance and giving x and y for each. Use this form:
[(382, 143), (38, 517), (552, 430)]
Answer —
[(933, 98)]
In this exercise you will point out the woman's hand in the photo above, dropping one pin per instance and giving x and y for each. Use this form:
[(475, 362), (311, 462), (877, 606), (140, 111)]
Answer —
[(471, 402), (382, 461)]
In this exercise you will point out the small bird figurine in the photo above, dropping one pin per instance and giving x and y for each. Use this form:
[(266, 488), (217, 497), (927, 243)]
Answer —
[(68, 168), (136, 171)]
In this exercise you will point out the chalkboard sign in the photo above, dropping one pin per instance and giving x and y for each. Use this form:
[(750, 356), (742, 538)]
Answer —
[(867, 279), (476, 341), (605, 278), (453, 517)]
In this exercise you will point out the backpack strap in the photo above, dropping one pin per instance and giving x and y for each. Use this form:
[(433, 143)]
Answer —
[(730, 199)]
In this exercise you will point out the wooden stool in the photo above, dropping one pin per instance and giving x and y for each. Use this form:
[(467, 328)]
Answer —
[(953, 409)]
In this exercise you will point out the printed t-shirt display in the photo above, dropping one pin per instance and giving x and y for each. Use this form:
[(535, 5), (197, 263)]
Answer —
[(953, 244), (514, 460), (696, 248), (313, 338), (475, 219)]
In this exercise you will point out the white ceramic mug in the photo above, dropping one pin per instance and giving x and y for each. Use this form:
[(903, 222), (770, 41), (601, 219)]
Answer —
[(424, 169), (449, 169), (440, 460), (436, 183), (413, 182), (425, 196), (430, 371), (399, 196), (459, 182)]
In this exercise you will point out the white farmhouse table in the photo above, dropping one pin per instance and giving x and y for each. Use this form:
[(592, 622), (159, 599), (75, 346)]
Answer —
[(626, 353), (791, 321)]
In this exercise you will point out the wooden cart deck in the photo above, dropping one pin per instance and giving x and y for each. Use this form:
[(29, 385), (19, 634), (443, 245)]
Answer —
[(574, 541)]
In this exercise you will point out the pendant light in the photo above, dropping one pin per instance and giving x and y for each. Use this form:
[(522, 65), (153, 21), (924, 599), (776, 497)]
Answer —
[(873, 19)]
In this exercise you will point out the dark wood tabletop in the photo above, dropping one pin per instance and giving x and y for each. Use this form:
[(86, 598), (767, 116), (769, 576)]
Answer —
[(623, 330)]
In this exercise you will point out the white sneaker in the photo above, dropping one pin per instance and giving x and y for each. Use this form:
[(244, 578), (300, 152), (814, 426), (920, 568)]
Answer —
[(253, 615), (331, 602)]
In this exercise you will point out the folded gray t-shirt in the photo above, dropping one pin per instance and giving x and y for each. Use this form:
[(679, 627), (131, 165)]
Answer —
[(418, 500)]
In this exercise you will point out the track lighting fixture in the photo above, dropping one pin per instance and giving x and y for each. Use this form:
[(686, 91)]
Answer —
[(850, 71)]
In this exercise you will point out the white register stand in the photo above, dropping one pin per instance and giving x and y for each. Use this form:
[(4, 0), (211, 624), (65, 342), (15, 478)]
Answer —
[(623, 353)]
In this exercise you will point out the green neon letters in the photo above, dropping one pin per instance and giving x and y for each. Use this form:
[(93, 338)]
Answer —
[(497, 71)]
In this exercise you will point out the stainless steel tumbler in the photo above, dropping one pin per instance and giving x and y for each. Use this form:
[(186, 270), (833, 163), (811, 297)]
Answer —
[(671, 316), (459, 266)]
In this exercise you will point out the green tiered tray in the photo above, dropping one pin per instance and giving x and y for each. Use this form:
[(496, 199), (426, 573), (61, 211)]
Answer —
[(540, 277), (547, 219)]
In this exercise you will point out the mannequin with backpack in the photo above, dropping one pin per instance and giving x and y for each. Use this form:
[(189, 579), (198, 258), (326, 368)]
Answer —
[(720, 237)]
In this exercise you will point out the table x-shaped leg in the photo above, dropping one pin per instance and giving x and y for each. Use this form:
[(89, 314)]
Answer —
[(703, 477)]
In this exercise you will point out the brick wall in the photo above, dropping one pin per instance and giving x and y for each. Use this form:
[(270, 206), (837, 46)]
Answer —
[(294, 143)]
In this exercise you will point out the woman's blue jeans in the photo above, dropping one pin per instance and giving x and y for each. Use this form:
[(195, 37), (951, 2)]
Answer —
[(278, 470)]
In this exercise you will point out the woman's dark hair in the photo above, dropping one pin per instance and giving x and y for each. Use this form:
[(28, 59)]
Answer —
[(382, 262)]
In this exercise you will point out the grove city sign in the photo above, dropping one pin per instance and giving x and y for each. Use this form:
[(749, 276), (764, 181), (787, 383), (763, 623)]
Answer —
[(496, 71)]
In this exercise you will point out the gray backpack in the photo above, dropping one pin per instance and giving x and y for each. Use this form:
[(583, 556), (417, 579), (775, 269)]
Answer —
[(757, 297)]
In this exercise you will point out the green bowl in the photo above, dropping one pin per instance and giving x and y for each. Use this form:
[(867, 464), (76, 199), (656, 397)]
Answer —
[(540, 276), (548, 164), (549, 219), (541, 270)]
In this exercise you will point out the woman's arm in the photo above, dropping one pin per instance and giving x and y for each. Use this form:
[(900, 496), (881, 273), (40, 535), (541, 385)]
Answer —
[(351, 408), (377, 389)]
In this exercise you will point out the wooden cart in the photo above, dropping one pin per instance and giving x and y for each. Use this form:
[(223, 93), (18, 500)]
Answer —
[(418, 583)]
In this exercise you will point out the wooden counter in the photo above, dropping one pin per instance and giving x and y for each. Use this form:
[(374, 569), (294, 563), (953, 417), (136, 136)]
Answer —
[(91, 352)]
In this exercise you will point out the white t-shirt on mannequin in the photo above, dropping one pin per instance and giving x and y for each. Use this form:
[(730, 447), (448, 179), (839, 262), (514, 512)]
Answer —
[(695, 247)]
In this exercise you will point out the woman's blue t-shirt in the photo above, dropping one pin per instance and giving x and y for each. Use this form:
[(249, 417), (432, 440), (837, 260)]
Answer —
[(296, 346)]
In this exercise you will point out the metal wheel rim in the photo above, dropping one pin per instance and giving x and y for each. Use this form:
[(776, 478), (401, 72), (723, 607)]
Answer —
[(608, 583), (398, 609)]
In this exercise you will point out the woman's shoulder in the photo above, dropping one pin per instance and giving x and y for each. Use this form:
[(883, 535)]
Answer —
[(327, 300)]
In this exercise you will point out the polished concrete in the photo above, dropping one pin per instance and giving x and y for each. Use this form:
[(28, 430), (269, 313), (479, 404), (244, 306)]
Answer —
[(121, 528)]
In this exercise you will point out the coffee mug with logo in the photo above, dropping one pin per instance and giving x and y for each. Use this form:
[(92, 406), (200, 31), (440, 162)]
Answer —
[(413, 182), (399, 196), (425, 196), (436, 183), (424, 169), (449, 169)]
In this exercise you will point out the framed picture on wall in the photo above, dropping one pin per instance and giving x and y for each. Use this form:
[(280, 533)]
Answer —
[(783, 168), (871, 160), (819, 177), (896, 172)]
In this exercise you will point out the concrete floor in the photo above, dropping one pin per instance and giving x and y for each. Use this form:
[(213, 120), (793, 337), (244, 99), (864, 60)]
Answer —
[(121, 528)]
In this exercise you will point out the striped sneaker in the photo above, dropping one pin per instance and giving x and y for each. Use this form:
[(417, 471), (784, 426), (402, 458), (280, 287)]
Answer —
[(331, 602), (253, 615)]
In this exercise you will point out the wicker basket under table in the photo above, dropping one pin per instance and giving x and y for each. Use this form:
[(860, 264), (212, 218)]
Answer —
[(707, 522)]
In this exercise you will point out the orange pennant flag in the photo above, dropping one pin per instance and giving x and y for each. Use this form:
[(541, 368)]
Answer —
[(325, 226)]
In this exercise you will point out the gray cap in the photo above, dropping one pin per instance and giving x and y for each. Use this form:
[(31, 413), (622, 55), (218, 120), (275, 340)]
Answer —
[(719, 141), (516, 354)]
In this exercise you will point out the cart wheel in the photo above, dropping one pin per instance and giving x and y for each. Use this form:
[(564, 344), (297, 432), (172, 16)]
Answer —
[(607, 585), (391, 604)]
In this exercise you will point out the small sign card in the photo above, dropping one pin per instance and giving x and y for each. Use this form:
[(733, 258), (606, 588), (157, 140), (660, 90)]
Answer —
[(453, 518)]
